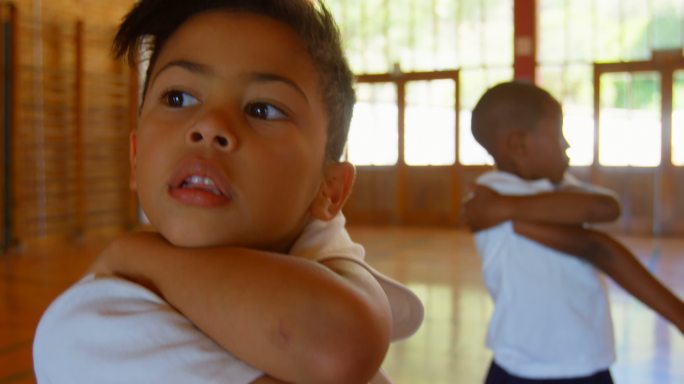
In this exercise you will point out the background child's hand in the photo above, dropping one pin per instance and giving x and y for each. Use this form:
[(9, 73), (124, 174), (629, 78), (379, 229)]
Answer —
[(267, 380), (481, 210)]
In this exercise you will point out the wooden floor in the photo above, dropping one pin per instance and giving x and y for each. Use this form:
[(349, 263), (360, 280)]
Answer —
[(440, 265)]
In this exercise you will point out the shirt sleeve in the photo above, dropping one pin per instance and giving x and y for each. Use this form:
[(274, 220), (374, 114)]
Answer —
[(570, 182), (109, 330)]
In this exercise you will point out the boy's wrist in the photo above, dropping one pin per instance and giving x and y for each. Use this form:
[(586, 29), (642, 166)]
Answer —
[(505, 207), (121, 258)]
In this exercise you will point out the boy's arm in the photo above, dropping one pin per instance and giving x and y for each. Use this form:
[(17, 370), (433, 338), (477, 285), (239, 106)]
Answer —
[(295, 320), (487, 208), (267, 380), (614, 259)]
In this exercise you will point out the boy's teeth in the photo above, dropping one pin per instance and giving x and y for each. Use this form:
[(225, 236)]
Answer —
[(199, 181), (193, 180)]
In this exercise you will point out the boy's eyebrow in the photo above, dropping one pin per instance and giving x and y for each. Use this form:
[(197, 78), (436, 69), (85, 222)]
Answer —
[(205, 70), (270, 77), (191, 66)]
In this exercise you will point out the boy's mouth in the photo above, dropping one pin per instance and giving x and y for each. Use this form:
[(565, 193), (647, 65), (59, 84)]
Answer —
[(200, 183)]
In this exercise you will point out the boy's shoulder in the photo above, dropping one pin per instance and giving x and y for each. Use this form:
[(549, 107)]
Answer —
[(572, 183), (507, 183), (324, 241)]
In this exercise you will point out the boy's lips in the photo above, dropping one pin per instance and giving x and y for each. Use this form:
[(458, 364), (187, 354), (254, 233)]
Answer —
[(201, 183)]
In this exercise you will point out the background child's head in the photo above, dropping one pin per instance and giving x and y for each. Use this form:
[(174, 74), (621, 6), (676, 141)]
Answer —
[(245, 114), (146, 29), (520, 125)]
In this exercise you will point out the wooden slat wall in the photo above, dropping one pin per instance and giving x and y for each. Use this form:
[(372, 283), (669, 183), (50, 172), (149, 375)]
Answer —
[(74, 107)]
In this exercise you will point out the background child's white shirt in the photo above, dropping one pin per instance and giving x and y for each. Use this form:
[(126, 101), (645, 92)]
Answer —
[(551, 317), (111, 330)]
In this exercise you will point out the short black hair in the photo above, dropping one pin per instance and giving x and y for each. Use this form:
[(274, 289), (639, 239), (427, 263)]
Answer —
[(514, 104), (148, 26)]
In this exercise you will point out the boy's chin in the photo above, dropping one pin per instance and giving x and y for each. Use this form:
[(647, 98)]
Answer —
[(191, 238)]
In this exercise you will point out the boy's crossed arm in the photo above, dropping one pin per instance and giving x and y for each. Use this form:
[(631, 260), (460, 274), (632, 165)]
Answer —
[(296, 320), (487, 208), (555, 219), (614, 259)]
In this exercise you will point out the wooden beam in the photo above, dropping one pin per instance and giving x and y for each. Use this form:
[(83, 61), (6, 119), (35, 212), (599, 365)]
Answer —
[(525, 39)]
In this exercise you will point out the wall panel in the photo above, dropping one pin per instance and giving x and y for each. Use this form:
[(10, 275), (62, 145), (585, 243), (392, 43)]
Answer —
[(73, 110)]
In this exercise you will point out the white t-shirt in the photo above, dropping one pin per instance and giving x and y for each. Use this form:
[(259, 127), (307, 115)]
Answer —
[(109, 330), (551, 316)]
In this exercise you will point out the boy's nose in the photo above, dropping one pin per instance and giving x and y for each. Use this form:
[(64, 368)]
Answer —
[(212, 131)]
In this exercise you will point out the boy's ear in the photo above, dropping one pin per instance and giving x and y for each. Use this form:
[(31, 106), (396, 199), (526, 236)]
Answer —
[(516, 142), (132, 155), (334, 191)]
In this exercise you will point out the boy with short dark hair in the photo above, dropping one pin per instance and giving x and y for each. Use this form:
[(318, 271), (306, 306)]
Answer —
[(245, 112), (551, 321)]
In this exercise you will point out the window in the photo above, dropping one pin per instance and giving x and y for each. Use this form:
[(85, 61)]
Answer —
[(373, 135), (575, 34), (430, 121), (474, 82), (381, 36), (678, 119), (630, 120)]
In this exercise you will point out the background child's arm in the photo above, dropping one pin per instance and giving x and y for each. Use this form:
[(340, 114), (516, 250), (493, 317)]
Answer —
[(614, 259), (267, 380), (295, 320), (487, 208)]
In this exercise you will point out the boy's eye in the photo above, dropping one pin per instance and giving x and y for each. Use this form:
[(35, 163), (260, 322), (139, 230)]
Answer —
[(264, 111), (179, 99)]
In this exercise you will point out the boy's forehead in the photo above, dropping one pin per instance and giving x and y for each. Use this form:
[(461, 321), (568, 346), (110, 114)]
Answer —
[(224, 22), (223, 38)]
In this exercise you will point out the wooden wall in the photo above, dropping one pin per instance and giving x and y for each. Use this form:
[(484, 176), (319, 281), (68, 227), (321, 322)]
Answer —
[(71, 108)]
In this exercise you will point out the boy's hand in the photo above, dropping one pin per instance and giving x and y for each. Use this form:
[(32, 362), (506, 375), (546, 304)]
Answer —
[(113, 260), (482, 210), (487, 208)]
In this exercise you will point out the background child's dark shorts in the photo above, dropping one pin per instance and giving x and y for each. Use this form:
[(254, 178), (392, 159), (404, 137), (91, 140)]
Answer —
[(498, 375)]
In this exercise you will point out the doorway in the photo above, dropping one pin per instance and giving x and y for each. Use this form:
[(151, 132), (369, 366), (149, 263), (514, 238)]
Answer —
[(639, 140), (407, 124)]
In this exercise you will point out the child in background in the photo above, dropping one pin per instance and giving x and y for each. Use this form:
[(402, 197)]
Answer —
[(245, 113), (551, 321)]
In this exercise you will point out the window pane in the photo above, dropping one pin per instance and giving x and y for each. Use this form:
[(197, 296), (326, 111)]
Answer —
[(470, 151), (635, 35), (580, 31), (608, 45), (667, 24), (430, 123), (678, 120), (474, 83), (578, 129), (571, 85), (497, 26), (373, 135), (552, 28), (630, 125)]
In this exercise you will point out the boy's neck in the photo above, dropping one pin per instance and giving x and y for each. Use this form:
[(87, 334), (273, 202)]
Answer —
[(522, 175)]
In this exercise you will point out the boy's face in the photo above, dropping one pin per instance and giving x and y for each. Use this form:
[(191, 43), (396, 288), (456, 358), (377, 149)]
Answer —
[(546, 149), (230, 144)]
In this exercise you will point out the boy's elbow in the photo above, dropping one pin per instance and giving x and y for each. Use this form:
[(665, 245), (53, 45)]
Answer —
[(357, 365), (599, 249), (354, 356)]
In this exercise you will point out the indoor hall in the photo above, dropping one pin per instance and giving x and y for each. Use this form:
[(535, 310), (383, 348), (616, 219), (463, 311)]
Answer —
[(616, 67)]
